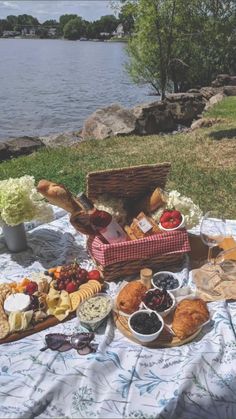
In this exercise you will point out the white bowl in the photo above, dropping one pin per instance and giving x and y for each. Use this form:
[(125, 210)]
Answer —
[(165, 312), (93, 324), (181, 225), (172, 290), (143, 337)]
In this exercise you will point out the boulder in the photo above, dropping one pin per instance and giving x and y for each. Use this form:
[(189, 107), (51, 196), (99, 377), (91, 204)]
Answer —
[(23, 145), (4, 152), (214, 100), (205, 123), (230, 90), (107, 122), (152, 118), (207, 92), (224, 80), (184, 107), (66, 139)]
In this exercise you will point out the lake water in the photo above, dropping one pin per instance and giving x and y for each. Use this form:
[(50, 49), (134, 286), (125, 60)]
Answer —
[(51, 86)]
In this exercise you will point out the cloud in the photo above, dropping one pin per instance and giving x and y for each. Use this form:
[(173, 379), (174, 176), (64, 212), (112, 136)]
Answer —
[(9, 5), (53, 9)]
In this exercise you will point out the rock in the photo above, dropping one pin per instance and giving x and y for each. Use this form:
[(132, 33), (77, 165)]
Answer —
[(66, 139), (4, 152), (224, 80), (205, 123), (230, 90), (214, 100), (24, 145), (184, 107), (207, 92), (152, 118), (110, 121)]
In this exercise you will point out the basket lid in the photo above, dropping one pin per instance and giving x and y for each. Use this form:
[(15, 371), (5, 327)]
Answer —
[(127, 182)]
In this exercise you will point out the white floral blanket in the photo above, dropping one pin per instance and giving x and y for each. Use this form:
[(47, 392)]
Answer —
[(122, 379)]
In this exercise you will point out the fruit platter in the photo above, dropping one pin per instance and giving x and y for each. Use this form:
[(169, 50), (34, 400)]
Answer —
[(45, 299)]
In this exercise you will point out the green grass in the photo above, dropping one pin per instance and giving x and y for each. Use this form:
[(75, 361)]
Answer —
[(224, 109), (203, 161)]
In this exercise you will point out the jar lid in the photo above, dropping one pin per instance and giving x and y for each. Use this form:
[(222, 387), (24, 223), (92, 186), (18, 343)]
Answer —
[(146, 273)]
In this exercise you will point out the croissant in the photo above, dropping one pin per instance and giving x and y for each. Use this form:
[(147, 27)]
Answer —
[(189, 316), (58, 195), (130, 297)]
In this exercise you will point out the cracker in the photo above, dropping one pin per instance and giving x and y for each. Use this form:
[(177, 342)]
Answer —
[(75, 299), (4, 328)]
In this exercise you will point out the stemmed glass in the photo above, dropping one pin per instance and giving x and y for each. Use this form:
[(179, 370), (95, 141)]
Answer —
[(212, 231)]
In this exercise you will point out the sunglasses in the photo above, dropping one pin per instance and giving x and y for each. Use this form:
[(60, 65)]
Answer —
[(79, 341)]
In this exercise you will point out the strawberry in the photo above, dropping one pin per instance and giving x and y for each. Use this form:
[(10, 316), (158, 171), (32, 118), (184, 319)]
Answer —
[(31, 287), (71, 287), (176, 215), (167, 224), (175, 223), (165, 216)]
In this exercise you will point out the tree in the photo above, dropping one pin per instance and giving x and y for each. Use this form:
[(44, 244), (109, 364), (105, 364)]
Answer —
[(11, 21), (4, 26), (182, 43), (25, 21), (127, 15), (64, 19), (152, 45), (74, 28), (108, 23)]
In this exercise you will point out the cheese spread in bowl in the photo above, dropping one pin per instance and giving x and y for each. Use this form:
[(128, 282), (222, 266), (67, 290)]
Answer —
[(92, 312)]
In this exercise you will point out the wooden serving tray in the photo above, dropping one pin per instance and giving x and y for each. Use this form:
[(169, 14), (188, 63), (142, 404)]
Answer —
[(165, 340), (45, 324)]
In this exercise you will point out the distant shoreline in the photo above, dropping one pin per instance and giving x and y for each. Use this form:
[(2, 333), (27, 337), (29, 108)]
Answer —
[(63, 39)]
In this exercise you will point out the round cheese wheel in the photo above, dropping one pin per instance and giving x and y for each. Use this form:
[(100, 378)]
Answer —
[(16, 302)]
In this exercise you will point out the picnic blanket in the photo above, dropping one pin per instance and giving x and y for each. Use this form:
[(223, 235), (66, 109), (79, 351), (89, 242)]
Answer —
[(122, 379)]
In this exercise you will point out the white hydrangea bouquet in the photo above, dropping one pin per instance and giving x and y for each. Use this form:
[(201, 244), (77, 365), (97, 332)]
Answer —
[(20, 202), (192, 213)]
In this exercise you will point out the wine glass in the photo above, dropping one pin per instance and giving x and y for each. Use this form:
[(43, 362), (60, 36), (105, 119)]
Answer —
[(212, 231)]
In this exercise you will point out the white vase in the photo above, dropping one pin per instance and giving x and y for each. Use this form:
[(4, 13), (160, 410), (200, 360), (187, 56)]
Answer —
[(15, 237)]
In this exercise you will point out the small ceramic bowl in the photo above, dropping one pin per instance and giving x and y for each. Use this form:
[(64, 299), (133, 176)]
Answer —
[(93, 323), (164, 275), (181, 225), (162, 313), (145, 337)]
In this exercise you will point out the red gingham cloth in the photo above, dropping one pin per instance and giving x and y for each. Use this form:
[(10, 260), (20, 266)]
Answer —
[(159, 244)]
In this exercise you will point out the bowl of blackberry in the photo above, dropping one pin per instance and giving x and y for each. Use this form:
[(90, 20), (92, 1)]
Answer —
[(145, 325)]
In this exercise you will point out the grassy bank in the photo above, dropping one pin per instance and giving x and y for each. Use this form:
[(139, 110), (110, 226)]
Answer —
[(203, 161)]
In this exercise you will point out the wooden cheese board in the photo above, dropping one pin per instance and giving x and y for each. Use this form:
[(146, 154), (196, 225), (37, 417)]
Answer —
[(165, 340), (45, 324)]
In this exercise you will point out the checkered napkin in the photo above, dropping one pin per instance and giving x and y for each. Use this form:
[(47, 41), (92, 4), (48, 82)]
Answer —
[(158, 244)]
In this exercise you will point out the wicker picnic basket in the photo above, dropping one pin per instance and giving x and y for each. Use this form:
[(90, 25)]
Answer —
[(158, 251)]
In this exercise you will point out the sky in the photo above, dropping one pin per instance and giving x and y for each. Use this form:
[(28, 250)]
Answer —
[(53, 9)]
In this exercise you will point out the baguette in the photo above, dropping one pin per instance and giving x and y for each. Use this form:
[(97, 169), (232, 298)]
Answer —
[(58, 195)]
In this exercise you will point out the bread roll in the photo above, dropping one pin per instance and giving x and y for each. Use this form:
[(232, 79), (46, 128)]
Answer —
[(157, 199), (149, 203), (58, 195)]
